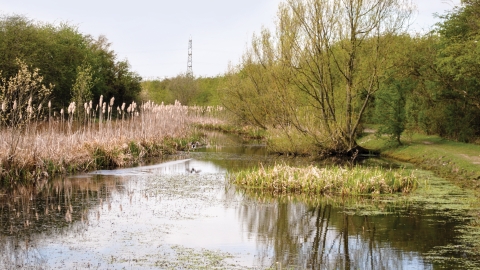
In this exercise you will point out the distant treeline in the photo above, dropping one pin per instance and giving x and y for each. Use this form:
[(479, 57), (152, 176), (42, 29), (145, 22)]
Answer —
[(188, 90), (61, 53)]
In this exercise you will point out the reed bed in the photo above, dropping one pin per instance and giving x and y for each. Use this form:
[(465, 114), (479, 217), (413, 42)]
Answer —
[(335, 180), (204, 116), (91, 137)]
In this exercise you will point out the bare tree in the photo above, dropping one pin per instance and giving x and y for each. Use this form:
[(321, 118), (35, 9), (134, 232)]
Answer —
[(338, 51)]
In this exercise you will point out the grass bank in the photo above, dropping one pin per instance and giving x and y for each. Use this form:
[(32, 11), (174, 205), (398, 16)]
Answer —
[(335, 180), (453, 160)]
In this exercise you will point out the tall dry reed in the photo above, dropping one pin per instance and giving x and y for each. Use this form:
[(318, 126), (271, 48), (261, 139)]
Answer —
[(103, 136), (208, 115)]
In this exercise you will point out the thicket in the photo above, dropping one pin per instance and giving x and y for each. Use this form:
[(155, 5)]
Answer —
[(60, 53), (434, 85)]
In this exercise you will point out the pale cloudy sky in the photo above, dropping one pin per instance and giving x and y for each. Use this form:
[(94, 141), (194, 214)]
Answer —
[(153, 34)]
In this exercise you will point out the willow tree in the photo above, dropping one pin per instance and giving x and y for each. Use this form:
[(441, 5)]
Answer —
[(332, 54), (339, 51), (259, 93)]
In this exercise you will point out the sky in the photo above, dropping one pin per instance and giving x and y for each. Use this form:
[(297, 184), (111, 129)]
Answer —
[(153, 35)]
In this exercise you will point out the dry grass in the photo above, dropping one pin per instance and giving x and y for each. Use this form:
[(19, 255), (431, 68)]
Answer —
[(208, 115), (331, 180), (101, 137)]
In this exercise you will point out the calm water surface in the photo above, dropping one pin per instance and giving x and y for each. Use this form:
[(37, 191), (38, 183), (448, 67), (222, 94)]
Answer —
[(183, 214)]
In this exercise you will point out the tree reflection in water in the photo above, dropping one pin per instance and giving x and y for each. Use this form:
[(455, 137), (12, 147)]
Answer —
[(50, 208), (324, 235)]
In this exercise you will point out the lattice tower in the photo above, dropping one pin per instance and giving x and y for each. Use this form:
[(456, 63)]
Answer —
[(189, 63)]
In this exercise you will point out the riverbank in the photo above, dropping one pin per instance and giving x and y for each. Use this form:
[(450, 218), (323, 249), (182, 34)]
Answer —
[(453, 160)]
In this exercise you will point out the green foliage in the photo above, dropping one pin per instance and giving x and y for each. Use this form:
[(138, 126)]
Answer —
[(81, 90), (421, 94), (184, 88), (57, 51), (291, 142), (126, 84), (208, 91), (157, 91), (458, 65), (247, 132), (390, 107), (189, 91), (258, 92)]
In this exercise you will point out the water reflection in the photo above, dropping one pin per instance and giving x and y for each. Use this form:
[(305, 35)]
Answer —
[(30, 214), (325, 236), (166, 215), (166, 168)]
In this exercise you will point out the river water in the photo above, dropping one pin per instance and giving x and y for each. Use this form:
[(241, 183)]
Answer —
[(184, 214)]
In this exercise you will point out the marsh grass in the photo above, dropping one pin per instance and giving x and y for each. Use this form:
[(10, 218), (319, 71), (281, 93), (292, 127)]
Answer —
[(103, 137), (335, 180)]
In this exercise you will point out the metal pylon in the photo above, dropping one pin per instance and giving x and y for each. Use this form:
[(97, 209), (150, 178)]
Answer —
[(189, 64)]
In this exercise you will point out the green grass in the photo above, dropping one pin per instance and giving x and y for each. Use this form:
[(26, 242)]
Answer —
[(335, 180), (450, 159)]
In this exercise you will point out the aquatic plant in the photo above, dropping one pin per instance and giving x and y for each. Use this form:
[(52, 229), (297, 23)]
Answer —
[(334, 180)]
